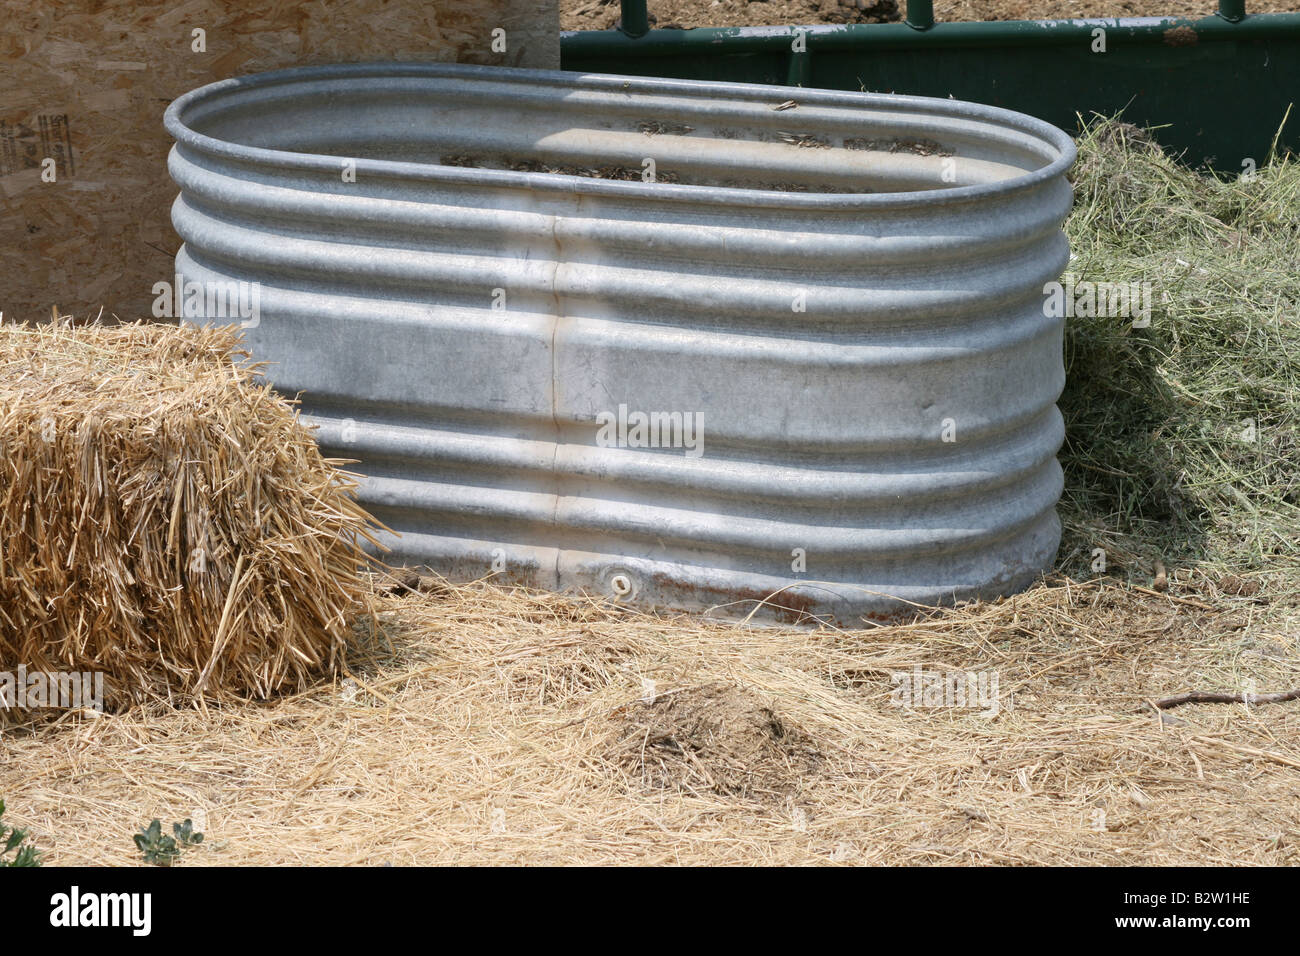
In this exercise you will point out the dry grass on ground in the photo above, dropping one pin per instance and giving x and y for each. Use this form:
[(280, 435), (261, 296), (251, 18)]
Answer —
[(491, 725)]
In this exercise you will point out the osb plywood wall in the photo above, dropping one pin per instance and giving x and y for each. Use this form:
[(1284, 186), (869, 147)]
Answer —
[(85, 84)]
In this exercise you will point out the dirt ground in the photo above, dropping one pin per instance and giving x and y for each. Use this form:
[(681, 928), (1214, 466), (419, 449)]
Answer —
[(603, 14), (480, 724)]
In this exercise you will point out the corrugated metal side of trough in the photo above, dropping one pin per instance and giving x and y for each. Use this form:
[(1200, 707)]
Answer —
[(834, 309)]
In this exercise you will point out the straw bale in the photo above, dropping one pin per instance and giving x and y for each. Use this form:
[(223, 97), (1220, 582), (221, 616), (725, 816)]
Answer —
[(166, 518)]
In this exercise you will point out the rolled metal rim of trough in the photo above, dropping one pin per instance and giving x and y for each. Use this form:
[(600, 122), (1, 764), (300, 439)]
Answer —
[(185, 136)]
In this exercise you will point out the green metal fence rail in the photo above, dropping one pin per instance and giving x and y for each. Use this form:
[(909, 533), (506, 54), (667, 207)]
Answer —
[(1219, 87)]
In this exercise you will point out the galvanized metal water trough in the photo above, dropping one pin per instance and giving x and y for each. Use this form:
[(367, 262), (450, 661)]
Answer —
[(810, 357)]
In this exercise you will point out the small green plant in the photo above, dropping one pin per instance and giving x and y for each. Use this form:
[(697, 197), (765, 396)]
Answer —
[(162, 850), (12, 840)]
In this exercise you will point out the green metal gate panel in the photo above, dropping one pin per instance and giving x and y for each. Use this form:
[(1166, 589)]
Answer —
[(1220, 87)]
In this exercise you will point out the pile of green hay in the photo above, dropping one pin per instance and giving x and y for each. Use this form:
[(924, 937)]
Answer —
[(1181, 437)]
